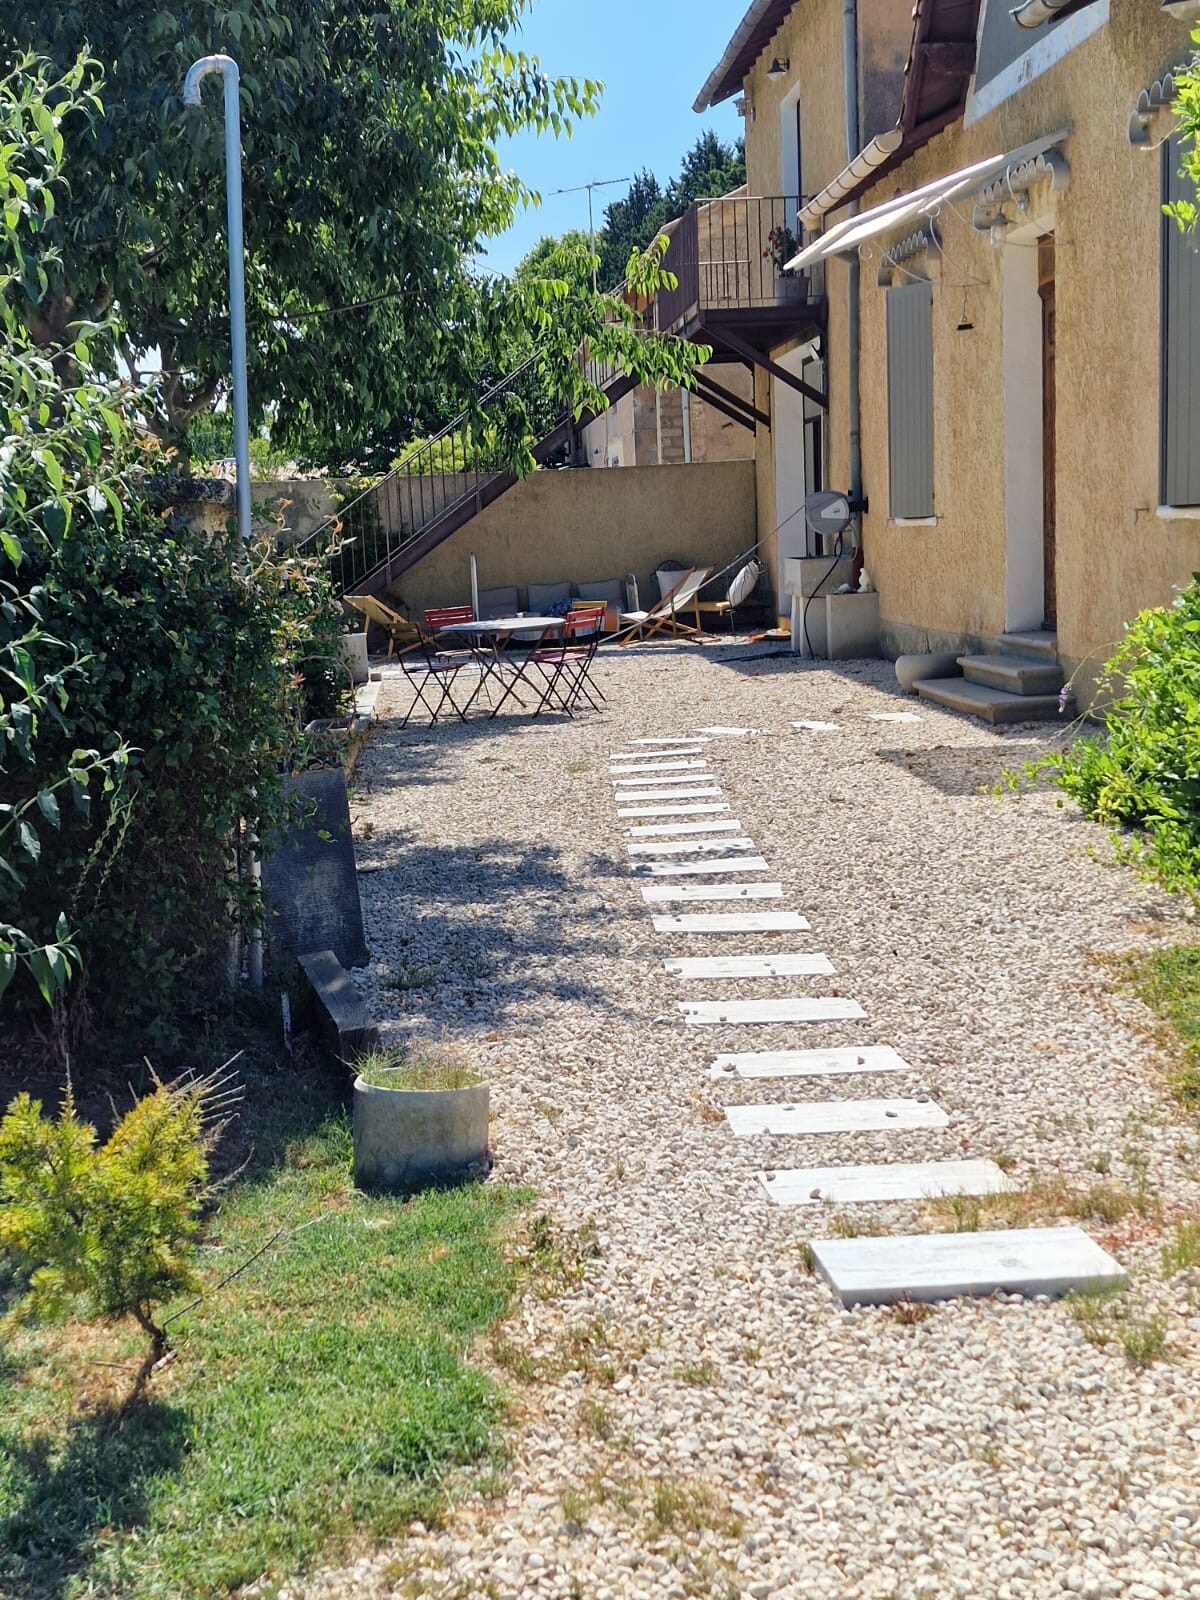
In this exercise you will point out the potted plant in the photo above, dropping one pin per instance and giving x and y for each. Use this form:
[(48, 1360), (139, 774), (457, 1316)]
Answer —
[(420, 1116), (782, 245)]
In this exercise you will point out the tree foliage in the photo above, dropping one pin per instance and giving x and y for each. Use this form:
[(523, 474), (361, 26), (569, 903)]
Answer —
[(154, 676), (1187, 108), (371, 177)]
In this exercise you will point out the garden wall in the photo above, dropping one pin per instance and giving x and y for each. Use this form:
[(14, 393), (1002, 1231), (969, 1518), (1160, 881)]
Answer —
[(585, 526)]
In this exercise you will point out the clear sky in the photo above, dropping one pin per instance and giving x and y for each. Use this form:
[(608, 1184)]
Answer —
[(653, 59)]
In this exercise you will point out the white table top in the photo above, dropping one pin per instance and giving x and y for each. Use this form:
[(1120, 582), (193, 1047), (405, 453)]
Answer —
[(504, 625)]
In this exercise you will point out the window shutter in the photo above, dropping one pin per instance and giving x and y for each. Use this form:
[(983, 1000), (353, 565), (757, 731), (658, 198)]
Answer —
[(910, 399), (1180, 342)]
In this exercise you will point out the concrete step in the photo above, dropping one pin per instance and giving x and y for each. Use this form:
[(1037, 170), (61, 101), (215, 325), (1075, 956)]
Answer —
[(1024, 675), (992, 705), (1035, 642)]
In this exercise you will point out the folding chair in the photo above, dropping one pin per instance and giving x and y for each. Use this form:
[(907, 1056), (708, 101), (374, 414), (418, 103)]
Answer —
[(598, 609), (666, 614), (440, 617), (434, 673), (566, 670), (400, 630)]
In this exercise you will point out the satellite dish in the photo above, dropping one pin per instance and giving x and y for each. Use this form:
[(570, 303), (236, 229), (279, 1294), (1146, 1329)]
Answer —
[(827, 512)]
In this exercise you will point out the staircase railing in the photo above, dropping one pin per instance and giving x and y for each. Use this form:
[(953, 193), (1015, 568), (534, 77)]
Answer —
[(443, 473)]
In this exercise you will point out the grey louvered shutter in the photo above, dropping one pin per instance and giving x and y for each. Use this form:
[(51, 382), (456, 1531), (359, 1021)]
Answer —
[(910, 399), (1180, 342)]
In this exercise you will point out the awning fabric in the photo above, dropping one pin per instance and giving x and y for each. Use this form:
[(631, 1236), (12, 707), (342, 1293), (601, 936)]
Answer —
[(844, 238)]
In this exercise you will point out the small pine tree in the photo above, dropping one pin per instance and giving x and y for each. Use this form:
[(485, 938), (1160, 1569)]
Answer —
[(110, 1225)]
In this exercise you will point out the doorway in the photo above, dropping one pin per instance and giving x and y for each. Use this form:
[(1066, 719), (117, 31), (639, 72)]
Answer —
[(1046, 296)]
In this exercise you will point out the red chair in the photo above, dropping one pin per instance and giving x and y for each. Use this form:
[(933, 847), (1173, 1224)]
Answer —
[(439, 617), (566, 669)]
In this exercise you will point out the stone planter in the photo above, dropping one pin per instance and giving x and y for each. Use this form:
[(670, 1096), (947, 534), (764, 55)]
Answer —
[(353, 655), (788, 289), (407, 1137)]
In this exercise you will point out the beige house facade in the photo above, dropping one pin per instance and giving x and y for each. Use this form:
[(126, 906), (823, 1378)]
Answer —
[(653, 428), (1029, 322)]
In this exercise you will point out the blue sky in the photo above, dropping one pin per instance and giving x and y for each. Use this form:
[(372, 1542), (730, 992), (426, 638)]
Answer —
[(653, 59)]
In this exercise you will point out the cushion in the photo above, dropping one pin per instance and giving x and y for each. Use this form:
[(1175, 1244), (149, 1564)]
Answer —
[(609, 591), (743, 585), (499, 602), (669, 575), (544, 597)]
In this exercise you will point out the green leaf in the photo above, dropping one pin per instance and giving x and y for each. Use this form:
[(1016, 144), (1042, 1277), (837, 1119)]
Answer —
[(48, 806), (8, 969)]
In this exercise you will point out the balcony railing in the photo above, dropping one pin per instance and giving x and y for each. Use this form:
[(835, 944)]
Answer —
[(725, 254)]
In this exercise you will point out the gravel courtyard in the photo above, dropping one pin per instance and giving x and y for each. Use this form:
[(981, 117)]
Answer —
[(692, 1412)]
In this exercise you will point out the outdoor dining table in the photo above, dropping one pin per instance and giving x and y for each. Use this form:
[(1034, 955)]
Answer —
[(492, 633)]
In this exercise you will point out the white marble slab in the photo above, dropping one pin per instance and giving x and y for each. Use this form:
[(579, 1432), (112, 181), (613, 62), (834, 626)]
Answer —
[(656, 767), (781, 966), (689, 847), (796, 1008), (811, 726), (808, 1063), (734, 922), (643, 830), (673, 811), (687, 738), (665, 794), (713, 866), (627, 758), (678, 779), (729, 733), (937, 1266), (892, 716), (837, 1116), (891, 1180), (658, 893)]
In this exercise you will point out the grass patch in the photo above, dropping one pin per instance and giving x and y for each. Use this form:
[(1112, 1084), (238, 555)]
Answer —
[(1103, 1312), (428, 1067), (688, 1505), (1182, 1250), (1167, 980), (1042, 1200), (323, 1395)]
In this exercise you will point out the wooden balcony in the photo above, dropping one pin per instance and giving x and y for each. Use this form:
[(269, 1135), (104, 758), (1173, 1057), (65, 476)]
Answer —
[(730, 293)]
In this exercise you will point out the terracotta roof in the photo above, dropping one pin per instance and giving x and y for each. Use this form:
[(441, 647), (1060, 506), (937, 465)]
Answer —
[(753, 34)]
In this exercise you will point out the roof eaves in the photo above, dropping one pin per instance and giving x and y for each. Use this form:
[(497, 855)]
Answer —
[(755, 31)]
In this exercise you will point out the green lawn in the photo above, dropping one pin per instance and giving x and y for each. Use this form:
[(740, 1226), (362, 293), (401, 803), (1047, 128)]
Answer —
[(322, 1395), (1168, 981)]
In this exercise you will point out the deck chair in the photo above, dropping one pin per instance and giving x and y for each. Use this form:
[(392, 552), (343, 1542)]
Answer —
[(666, 614), (400, 631)]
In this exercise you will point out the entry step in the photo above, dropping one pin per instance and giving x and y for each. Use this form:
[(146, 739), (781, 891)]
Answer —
[(1032, 642), (1024, 675), (940, 1266), (992, 705)]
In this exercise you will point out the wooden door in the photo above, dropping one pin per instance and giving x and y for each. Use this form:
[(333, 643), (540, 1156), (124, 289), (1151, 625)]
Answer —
[(1046, 295)]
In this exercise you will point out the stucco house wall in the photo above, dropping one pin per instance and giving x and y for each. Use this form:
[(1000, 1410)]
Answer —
[(628, 434), (945, 586)]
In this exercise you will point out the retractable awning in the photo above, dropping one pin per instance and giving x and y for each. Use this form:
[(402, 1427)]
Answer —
[(844, 238)]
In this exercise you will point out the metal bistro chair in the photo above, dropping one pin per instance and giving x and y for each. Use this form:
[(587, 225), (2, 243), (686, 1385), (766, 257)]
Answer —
[(436, 671), (468, 654), (566, 669)]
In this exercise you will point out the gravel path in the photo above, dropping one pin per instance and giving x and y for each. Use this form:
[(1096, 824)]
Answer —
[(693, 1414)]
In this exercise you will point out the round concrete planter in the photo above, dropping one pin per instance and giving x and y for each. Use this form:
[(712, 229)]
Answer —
[(911, 670), (406, 1137)]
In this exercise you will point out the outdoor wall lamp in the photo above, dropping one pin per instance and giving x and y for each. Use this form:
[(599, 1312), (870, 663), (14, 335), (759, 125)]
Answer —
[(779, 68)]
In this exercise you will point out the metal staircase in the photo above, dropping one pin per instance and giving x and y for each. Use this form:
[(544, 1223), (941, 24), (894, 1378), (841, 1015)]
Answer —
[(445, 481)]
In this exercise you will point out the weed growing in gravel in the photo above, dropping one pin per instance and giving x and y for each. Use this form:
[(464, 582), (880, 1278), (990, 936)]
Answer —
[(1182, 1250), (909, 1313), (596, 1417), (1103, 1312), (807, 1260), (1144, 1342), (413, 975), (698, 1373), (551, 1113), (575, 1507), (1042, 1200), (557, 1259), (1004, 1159), (681, 1505), (751, 1353), (1102, 1164), (857, 1228)]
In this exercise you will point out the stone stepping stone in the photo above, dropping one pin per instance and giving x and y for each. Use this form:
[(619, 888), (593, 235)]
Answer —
[(715, 865), (797, 1008), (938, 1266), (836, 1116), (810, 726), (664, 782), (690, 738), (672, 811), (734, 922), (627, 758), (643, 830), (656, 893), (730, 733), (658, 767), (808, 1063), (783, 966), (665, 794), (892, 716), (679, 847), (893, 1180)]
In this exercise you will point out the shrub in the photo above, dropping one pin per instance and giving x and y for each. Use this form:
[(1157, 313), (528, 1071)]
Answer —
[(110, 1225), (1142, 776)]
